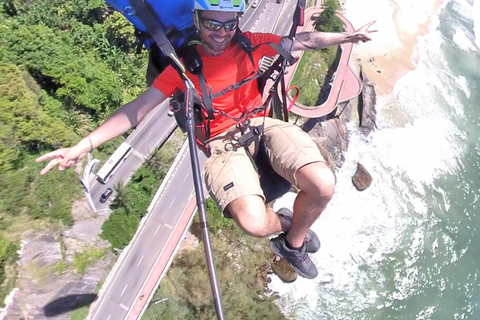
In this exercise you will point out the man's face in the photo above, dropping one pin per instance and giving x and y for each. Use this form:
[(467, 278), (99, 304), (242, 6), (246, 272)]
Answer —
[(215, 42)]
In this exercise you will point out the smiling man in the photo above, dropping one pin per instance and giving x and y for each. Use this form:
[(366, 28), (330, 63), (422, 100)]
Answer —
[(230, 175)]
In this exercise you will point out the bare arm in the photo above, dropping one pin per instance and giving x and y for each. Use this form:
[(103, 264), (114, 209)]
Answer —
[(319, 40), (118, 123)]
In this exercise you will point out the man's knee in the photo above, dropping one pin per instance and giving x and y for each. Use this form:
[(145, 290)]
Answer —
[(250, 214), (317, 179)]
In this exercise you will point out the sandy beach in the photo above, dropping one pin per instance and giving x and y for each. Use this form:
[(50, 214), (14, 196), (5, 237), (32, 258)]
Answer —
[(392, 51)]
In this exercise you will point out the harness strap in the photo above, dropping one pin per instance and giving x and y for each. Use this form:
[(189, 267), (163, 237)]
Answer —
[(252, 76), (206, 94), (154, 26)]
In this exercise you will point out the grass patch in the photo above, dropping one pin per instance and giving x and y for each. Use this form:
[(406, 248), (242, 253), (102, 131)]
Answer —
[(83, 260), (311, 74), (80, 313)]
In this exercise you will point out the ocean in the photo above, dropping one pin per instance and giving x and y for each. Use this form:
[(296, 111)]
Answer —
[(408, 247)]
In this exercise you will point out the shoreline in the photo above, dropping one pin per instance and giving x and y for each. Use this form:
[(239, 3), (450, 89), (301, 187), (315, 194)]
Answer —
[(393, 50)]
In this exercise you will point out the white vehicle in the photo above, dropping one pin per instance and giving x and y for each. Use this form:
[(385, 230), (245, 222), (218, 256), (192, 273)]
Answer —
[(254, 3), (112, 163)]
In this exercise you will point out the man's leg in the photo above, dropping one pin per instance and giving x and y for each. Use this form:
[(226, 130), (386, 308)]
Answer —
[(294, 156), (251, 215), (316, 182), (233, 183)]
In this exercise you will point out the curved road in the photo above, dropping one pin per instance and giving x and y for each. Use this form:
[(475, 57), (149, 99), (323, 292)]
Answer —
[(339, 92)]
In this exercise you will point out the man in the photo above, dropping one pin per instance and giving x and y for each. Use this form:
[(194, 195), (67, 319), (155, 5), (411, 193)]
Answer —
[(229, 173)]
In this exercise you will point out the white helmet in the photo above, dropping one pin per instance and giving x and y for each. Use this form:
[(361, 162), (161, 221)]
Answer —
[(220, 5)]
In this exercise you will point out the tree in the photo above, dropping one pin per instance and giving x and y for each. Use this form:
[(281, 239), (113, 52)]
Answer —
[(328, 20)]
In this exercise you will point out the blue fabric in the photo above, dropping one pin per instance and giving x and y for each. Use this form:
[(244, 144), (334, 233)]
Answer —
[(172, 13)]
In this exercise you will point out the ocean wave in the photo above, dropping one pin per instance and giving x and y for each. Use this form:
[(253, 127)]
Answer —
[(476, 22)]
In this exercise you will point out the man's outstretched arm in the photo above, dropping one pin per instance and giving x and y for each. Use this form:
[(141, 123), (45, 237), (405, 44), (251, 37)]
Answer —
[(319, 40), (120, 122)]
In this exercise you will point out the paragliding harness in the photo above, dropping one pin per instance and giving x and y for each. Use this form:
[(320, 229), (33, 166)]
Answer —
[(273, 185), (203, 107)]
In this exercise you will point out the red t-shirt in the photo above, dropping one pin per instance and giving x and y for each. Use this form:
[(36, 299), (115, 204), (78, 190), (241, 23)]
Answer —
[(221, 71)]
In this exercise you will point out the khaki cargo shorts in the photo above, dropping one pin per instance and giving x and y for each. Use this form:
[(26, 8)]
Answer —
[(229, 172)]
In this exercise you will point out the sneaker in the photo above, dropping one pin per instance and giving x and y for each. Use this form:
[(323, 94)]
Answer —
[(311, 240), (298, 258)]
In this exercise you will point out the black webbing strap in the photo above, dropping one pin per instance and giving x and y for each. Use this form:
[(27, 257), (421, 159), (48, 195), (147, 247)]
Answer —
[(252, 76), (151, 21), (207, 96)]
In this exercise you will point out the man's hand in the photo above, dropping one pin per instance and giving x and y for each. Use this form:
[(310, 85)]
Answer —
[(362, 34), (65, 158)]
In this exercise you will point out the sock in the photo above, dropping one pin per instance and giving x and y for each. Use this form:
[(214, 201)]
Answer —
[(289, 246)]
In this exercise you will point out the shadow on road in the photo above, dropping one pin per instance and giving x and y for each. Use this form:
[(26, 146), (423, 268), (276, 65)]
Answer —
[(68, 303)]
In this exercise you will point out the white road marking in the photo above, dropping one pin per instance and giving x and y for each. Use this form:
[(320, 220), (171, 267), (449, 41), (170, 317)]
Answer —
[(156, 231), (109, 317), (124, 307), (171, 204), (186, 177), (140, 261), (168, 226), (123, 291)]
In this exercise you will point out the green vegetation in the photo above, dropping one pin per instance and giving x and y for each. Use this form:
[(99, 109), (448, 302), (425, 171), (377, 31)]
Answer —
[(80, 313), (328, 20), (8, 256), (240, 260), (312, 73), (83, 260), (65, 66)]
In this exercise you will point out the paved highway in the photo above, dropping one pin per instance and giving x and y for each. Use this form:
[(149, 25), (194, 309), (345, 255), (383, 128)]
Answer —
[(150, 134), (128, 278)]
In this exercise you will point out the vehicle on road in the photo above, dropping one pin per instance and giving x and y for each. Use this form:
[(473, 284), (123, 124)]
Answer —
[(113, 162), (105, 195), (254, 3), (279, 1)]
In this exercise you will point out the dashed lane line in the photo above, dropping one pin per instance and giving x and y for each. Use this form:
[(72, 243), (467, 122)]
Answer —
[(156, 231), (123, 291)]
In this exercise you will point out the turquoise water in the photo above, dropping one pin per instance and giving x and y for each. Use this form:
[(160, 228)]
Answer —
[(409, 246)]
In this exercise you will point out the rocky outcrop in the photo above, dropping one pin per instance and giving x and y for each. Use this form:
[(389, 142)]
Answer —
[(332, 135), (366, 105), (284, 270), (48, 286), (362, 179)]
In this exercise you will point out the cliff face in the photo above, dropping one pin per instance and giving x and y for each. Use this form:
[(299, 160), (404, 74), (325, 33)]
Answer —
[(366, 105), (331, 132)]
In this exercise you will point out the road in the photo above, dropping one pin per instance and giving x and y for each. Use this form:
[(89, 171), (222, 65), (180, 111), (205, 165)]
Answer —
[(339, 92), (149, 135)]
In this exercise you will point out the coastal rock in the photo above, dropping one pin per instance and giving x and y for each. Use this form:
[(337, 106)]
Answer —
[(284, 271), (366, 105), (47, 287), (331, 136), (362, 179)]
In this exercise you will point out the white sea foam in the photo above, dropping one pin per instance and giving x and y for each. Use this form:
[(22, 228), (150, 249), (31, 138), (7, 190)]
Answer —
[(476, 21), (362, 232), (462, 40)]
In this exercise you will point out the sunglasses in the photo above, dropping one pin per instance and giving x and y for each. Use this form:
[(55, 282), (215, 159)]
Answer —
[(214, 25)]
